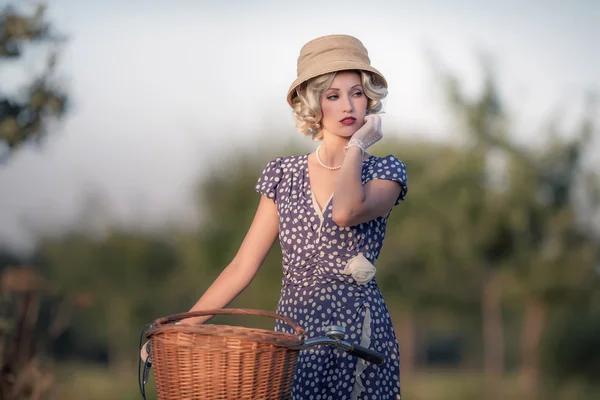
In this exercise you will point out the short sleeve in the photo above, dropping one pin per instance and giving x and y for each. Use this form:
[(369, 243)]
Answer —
[(269, 179), (390, 168)]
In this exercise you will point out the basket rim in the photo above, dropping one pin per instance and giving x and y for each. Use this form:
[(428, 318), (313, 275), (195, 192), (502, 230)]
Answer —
[(279, 339)]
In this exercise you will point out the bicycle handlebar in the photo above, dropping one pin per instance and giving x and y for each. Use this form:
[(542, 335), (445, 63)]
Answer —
[(368, 354), (360, 351)]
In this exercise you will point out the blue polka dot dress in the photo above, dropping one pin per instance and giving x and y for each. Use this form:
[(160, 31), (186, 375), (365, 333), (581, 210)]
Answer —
[(319, 291)]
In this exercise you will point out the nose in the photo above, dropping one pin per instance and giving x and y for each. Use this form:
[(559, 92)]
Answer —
[(348, 106)]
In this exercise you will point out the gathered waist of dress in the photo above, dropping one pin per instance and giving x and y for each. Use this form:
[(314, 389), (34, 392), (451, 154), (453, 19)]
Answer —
[(314, 280), (323, 281), (357, 270)]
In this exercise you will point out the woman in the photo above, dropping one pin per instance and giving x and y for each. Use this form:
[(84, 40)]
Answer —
[(329, 209)]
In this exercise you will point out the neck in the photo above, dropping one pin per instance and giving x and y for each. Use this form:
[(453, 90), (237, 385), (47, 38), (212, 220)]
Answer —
[(332, 150)]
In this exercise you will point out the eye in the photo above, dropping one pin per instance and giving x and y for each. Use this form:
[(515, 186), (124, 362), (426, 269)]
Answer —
[(358, 94), (332, 97)]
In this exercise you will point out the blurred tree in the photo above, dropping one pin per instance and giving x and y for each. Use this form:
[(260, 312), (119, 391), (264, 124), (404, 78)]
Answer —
[(24, 116), (557, 249), (25, 332), (485, 225), (419, 269), (535, 231)]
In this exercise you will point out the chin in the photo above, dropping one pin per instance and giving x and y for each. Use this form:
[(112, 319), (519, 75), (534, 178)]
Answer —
[(347, 133)]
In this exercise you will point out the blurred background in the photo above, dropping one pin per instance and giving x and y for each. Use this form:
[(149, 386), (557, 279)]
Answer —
[(132, 134)]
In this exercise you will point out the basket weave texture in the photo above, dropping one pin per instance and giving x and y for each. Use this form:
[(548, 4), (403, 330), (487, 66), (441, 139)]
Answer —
[(213, 362)]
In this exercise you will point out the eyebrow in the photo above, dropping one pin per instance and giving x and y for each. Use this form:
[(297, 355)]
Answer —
[(359, 84)]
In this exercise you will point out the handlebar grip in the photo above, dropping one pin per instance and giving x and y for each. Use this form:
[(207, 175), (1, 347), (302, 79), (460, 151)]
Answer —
[(367, 354)]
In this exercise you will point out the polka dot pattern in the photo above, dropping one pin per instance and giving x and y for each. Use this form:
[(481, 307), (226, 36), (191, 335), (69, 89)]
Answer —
[(316, 293)]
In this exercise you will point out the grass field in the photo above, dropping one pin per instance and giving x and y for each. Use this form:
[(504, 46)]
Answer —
[(97, 383)]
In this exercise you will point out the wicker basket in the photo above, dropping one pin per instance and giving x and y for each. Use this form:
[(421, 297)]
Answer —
[(222, 362)]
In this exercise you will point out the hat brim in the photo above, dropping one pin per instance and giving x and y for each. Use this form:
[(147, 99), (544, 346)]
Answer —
[(333, 67)]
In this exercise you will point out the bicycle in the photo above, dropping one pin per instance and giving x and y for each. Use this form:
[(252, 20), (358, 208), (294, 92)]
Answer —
[(213, 362)]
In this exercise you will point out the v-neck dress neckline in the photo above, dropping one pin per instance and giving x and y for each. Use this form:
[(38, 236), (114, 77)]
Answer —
[(320, 211)]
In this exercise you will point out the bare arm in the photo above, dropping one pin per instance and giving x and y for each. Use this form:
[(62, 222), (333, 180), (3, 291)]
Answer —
[(353, 203), (242, 269), (245, 265)]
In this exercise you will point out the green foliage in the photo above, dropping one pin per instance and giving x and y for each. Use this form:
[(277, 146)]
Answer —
[(130, 280), (422, 255), (24, 116)]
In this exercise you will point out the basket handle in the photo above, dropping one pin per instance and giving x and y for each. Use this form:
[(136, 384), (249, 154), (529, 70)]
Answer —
[(233, 311)]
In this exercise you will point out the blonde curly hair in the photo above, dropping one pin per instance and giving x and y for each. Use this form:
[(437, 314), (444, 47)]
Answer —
[(306, 102)]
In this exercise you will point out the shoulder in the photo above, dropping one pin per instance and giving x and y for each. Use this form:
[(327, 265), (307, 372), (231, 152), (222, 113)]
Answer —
[(286, 163), (388, 168), (280, 166), (277, 174)]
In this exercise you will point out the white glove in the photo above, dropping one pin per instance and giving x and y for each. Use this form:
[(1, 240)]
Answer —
[(369, 134)]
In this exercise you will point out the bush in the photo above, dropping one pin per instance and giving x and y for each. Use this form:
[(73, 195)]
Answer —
[(571, 349)]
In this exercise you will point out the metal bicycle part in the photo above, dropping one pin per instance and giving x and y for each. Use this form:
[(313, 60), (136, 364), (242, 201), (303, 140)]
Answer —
[(334, 337), (335, 332), (144, 370)]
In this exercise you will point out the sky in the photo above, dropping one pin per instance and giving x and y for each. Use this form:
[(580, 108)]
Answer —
[(163, 90)]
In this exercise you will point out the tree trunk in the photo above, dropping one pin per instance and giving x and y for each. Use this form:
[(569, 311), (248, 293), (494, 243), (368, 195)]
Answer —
[(408, 344), (493, 334), (534, 321)]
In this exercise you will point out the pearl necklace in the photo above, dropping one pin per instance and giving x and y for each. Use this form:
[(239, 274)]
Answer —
[(321, 162)]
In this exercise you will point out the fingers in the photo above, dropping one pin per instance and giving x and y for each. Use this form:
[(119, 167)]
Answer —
[(143, 352), (373, 122), (373, 118), (370, 123)]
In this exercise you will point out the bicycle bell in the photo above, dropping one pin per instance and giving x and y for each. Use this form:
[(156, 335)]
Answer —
[(335, 332)]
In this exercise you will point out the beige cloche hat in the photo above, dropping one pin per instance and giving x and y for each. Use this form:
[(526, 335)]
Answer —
[(331, 53)]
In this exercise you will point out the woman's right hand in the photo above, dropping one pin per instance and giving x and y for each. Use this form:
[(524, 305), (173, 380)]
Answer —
[(144, 352), (191, 321), (370, 133)]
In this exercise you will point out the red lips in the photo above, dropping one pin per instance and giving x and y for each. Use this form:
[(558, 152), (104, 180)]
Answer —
[(348, 120)]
